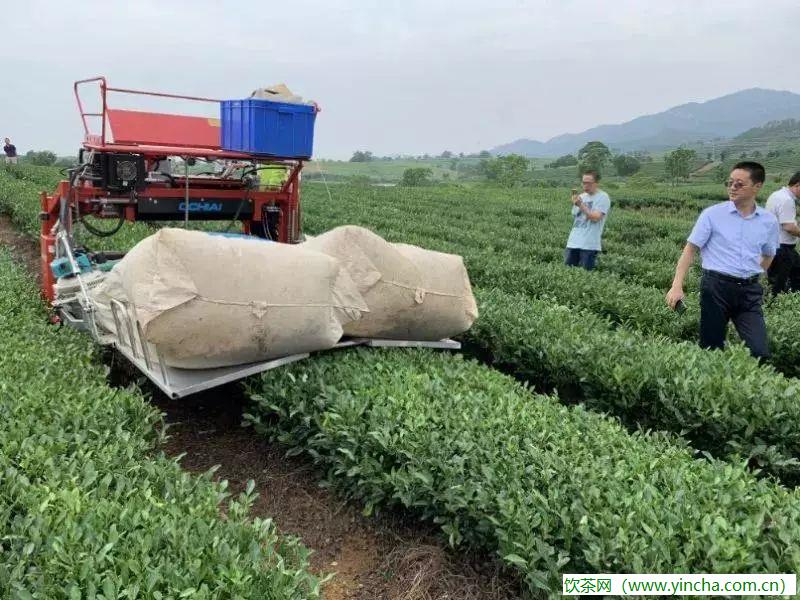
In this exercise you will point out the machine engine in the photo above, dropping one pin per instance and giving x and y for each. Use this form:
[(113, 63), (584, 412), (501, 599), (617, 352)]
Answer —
[(119, 172)]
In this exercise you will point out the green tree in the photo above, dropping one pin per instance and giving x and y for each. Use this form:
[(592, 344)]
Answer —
[(44, 158), (678, 163), (507, 170), (719, 174), (484, 154), (416, 176), (361, 156), (568, 160), (625, 164), (593, 156)]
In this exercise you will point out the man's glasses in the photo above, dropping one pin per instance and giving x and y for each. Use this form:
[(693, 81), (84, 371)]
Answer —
[(735, 184)]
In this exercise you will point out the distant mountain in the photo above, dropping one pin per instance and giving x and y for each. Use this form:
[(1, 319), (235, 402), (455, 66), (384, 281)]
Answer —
[(690, 123)]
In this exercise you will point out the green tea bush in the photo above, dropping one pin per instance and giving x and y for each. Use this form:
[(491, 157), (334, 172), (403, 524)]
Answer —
[(549, 489), (723, 402), (88, 506)]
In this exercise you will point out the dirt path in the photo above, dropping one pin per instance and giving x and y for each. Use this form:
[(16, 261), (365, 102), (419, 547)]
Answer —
[(706, 167), (372, 558), (377, 558), (23, 249)]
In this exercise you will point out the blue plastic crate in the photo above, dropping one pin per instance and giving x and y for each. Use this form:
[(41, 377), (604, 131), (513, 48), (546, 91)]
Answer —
[(265, 127)]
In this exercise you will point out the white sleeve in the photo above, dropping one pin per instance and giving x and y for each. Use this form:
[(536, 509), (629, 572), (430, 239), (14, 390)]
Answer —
[(786, 211)]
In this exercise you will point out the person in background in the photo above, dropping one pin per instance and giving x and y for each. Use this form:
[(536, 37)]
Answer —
[(784, 272), (11, 152), (589, 211), (737, 240)]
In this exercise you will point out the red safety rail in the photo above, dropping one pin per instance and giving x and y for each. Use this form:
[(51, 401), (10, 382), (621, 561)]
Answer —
[(147, 128), (154, 134)]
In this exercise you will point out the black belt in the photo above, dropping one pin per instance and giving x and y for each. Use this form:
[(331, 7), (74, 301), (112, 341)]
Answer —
[(731, 278), (788, 246)]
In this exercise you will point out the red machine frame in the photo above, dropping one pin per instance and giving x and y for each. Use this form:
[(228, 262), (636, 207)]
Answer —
[(156, 136)]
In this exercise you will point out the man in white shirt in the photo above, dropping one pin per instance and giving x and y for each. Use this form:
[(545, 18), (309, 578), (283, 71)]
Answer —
[(784, 273)]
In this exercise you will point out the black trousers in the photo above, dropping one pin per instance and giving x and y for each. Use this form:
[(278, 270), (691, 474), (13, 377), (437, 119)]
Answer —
[(723, 299), (577, 257), (784, 272)]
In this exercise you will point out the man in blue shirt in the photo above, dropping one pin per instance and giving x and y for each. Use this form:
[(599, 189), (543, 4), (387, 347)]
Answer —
[(589, 211), (737, 241)]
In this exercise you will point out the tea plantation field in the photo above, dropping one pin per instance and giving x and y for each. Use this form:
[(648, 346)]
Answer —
[(583, 432)]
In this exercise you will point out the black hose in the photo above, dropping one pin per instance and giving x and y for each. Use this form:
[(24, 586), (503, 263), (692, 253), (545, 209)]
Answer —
[(99, 232)]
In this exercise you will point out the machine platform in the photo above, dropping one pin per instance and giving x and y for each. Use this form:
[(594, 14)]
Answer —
[(179, 383)]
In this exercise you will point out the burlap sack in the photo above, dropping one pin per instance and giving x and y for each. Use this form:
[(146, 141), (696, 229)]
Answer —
[(208, 301), (448, 307), (412, 293), (278, 93)]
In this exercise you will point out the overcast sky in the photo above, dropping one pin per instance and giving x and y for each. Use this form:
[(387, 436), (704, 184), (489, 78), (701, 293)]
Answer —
[(410, 76)]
